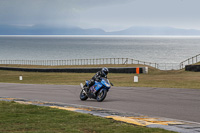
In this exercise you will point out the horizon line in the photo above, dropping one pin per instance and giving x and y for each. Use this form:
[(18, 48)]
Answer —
[(99, 35)]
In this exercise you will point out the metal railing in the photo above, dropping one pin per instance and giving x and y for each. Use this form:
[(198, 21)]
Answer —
[(103, 61), (97, 61), (168, 66), (189, 61)]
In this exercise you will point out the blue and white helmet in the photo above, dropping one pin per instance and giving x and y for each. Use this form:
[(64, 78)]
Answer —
[(104, 71)]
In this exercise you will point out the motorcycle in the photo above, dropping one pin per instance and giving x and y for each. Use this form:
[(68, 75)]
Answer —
[(98, 91)]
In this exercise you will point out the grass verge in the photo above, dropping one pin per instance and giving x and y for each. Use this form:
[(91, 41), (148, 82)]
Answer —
[(155, 78), (198, 63), (21, 118)]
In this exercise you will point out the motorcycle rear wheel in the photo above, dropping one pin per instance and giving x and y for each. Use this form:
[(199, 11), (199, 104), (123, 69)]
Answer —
[(83, 96), (101, 95)]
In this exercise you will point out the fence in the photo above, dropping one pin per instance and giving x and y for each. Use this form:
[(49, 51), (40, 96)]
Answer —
[(103, 61), (168, 66), (98, 61), (189, 61)]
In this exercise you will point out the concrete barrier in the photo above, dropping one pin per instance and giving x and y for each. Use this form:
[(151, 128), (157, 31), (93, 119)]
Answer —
[(78, 70), (195, 68)]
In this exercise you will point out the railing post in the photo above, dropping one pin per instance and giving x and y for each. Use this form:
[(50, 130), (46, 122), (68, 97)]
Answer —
[(192, 60), (196, 59)]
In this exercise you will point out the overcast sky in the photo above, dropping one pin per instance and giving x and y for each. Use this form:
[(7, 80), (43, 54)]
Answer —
[(109, 15)]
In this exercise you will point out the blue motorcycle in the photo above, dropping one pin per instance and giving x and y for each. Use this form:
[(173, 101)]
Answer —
[(98, 91)]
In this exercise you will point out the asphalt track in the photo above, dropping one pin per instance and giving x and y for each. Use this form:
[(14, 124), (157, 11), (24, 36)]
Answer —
[(182, 104)]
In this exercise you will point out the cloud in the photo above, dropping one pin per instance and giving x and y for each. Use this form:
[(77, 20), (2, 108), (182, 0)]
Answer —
[(63, 12), (106, 14), (35, 12), (175, 13)]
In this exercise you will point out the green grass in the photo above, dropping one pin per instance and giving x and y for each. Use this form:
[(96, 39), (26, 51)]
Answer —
[(155, 78), (19, 118), (198, 63)]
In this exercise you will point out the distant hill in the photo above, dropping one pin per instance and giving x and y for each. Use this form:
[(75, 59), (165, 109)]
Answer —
[(47, 30), (156, 31)]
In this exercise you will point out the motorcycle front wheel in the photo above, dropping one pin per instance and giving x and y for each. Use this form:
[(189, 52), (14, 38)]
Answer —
[(83, 96), (101, 95)]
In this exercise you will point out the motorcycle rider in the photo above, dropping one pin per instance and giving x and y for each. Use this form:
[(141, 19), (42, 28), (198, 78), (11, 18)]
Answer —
[(103, 73)]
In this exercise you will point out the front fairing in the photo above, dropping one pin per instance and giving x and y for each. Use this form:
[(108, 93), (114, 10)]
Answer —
[(105, 82), (87, 82)]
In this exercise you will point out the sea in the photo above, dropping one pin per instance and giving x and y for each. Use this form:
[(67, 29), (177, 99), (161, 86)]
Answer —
[(157, 49)]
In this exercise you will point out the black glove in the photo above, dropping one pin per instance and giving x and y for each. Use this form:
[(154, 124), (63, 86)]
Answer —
[(98, 79)]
